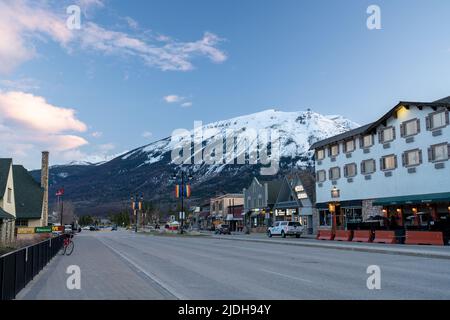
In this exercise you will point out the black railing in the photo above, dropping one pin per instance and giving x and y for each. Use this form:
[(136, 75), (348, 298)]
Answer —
[(19, 267)]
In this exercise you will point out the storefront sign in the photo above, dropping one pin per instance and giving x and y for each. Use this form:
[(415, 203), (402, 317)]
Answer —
[(25, 230), (43, 229), (57, 228)]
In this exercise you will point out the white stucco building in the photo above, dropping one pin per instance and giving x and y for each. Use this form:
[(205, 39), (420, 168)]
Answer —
[(396, 167)]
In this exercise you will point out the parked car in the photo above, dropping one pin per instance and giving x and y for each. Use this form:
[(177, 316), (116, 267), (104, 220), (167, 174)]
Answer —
[(285, 228), (87, 228), (114, 228), (223, 229), (68, 228)]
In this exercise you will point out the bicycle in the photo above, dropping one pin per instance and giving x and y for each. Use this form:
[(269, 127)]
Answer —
[(68, 245)]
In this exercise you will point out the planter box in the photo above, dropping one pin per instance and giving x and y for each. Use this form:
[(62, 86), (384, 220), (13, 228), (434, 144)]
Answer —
[(385, 237), (343, 235), (325, 235), (362, 236), (425, 237)]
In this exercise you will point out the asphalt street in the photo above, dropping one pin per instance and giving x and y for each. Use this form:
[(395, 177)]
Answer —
[(124, 265)]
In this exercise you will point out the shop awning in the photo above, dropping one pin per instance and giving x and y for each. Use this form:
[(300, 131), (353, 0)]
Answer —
[(413, 199)]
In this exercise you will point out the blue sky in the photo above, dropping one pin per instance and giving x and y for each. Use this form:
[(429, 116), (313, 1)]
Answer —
[(226, 58)]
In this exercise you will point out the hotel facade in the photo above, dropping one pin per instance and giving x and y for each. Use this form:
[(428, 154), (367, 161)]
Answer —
[(394, 171)]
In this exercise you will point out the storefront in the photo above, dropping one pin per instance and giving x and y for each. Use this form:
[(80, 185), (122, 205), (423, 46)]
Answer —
[(344, 214), (417, 213)]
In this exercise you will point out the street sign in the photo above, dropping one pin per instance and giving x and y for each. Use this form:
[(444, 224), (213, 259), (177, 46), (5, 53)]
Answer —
[(43, 229), (58, 228), (25, 230)]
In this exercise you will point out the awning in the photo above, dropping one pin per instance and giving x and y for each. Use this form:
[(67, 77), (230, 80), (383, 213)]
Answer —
[(413, 199), (6, 215)]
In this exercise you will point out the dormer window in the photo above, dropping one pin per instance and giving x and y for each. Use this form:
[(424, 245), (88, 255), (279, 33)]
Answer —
[(367, 141), (349, 146), (386, 135), (334, 150), (320, 154), (437, 120), (410, 128)]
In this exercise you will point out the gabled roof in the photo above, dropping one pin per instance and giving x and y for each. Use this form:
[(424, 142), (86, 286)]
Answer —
[(5, 165), (444, 102), (28, 194), (273, 188)]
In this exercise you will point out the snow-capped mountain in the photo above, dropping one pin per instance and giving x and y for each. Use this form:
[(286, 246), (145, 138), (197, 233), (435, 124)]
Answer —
[(148, 169)]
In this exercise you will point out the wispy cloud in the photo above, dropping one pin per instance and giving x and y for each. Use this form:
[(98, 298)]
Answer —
[(22, 84), (22, 22), (186, 104), (173, 98), (147, 134)]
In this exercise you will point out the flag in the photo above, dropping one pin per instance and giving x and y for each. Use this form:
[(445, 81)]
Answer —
[(187, 190), (184, 190), (60, 192), (177, 191)]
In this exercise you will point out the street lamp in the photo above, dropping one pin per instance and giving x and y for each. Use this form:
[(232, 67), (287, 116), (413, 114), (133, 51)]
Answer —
[(185, 176), (335, 194), (136, 205)]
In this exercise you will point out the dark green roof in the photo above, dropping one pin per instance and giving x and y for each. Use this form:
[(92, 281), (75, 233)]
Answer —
[(5, 215), (28, 194), (5, 165), (444, 102)]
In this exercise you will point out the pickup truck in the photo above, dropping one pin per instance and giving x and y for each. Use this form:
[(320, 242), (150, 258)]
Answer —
[(285, 228)]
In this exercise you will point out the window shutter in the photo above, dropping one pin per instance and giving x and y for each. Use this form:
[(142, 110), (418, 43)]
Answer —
[(382, 164), (374, 165), (428, 122), (404, 159), (420, 157), (418, 125), (395, 162), (402, 130), (430, 154), (361, 142), (346, 170), (329, 174), (363, 167), (380, 136), (447, 120), (448, 151), (393, 133)]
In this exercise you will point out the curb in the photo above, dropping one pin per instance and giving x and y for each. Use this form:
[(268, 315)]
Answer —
[(434, 255)]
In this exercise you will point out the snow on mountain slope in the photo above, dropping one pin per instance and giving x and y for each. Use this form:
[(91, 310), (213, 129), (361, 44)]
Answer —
[(296, 130)]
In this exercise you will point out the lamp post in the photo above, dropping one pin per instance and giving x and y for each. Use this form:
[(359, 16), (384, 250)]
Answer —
[(136, 205), (184, 176), (335, 194)]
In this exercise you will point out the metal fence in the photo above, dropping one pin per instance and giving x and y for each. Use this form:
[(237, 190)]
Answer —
[(19, 267)]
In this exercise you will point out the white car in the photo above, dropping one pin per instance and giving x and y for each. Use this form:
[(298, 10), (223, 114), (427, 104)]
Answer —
[(285, 228)]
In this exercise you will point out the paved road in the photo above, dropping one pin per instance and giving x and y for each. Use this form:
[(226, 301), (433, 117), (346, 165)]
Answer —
[(122, 265)]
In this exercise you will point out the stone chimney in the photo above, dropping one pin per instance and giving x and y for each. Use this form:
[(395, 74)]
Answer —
[(44, 185)]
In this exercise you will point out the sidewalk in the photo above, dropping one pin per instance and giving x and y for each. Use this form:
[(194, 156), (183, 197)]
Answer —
[(439, 252)]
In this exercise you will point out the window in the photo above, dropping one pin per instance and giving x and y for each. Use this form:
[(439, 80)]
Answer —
[(388, 162), (386, 134), (21, 223), (325, 218), (412, 158), (410, 128), (335, 173), (437, 120), (9, 196), (349, 146), (320, 155), (438, 152), (368, 166), (367, 141), (334, 150), (350, 170), (321, 176)]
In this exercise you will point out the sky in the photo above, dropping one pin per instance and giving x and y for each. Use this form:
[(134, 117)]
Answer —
[(136, 70)]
